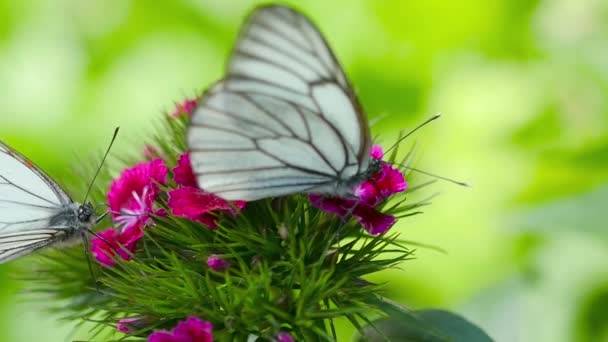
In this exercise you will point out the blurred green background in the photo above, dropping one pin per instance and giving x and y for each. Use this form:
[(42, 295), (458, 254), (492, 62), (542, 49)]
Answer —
[(521, 84)]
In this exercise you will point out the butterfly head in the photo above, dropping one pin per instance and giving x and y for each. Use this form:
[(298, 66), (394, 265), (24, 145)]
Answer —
[(86, 213), (375, 166)]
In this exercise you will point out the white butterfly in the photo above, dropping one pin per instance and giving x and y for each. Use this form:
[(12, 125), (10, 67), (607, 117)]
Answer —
[(35, 212), (284, 119)]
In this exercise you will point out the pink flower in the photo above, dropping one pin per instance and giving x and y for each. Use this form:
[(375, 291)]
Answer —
[(216, 263), (112, 242), (381, 186), (184, 108), (198, 205), (284, 337), (376, 152), (183, 173), (373, 221), (387, 182), (132, 195), (192, 330)]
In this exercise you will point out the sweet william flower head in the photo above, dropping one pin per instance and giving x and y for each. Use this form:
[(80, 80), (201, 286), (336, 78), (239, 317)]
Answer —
[(132, 194), (380, 186), (191, 330)]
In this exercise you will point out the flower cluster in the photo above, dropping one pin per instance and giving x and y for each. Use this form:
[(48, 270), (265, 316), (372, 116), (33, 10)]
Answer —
[(387, 182), (133, 199)]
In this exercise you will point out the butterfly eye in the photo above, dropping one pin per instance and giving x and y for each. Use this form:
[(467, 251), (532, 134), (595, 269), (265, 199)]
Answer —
[(85, 212)]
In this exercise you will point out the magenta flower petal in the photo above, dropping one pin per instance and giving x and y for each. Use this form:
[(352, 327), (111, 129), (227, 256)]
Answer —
[(336, 205), (196, 329), (132, 194), (376, 152), (162, 336), (372, 220), (191, 330), (217, 263), (185, 108), (198, 205), (133, 181), (387, 182), (183, 173), (110, 243)]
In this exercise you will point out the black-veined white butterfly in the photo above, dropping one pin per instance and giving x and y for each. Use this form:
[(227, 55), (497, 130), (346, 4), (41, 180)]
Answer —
[(284, 119), (35, 212)]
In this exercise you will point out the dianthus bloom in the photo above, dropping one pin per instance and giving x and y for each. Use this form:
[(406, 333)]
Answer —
[(193, 203), (388, 181), (132, 195), (184, 108), (191, 330), (131, 198), (217, 263)]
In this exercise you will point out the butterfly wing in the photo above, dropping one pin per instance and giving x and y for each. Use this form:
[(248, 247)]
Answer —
[(284, 120), (34, 210)]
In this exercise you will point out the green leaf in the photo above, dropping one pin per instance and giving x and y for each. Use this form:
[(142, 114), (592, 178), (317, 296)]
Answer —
[(429, 325)]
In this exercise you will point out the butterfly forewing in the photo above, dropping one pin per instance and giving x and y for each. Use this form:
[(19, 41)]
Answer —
[(34, 210), (284, 120)]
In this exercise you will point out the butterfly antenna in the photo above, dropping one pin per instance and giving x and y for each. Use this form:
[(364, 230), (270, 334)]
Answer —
[(101, 165), (465, 184), (429, 120)]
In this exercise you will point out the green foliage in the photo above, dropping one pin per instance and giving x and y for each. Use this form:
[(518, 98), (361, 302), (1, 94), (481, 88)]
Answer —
[(293, 268)]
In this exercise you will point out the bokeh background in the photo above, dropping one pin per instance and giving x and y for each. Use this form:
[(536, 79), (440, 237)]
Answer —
[(522, 86)]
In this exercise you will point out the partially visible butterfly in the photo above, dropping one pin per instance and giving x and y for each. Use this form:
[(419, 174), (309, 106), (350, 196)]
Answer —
[(284, 120), (35, 212)]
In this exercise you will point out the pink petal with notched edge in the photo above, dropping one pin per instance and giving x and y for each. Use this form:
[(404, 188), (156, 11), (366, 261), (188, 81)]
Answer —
[(372, 220), (183, 173), (198, 205)]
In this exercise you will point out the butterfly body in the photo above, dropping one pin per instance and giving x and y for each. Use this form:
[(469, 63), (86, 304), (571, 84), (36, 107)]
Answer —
[(284, 120), (35, 212)]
